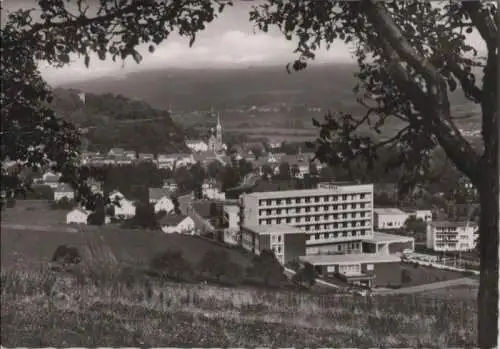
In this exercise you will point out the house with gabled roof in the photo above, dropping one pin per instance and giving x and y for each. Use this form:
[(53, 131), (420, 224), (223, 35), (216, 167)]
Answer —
[(126, 208), (77, 216), (62, 191), (161, 199), (177, 223)]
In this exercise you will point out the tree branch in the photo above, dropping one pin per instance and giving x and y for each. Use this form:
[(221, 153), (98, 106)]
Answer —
[(485, 25), (450, 138), (470, 89)]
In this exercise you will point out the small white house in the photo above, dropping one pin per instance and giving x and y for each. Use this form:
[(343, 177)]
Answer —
[(126, 208), (197, 145), (174, 223), (62, 191), (389, 218), (51, 179), (77, 216), (161, 199), (212, 190)]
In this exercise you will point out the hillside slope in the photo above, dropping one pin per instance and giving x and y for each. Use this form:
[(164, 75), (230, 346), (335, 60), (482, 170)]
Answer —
[(116, 121)]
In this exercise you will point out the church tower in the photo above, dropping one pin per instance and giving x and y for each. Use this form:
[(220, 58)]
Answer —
[(218, 132)]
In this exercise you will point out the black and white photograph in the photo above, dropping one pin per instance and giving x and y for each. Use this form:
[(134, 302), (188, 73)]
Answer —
[(249, 173)]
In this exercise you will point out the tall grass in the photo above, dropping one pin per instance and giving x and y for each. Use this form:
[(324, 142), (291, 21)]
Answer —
[(40, 307)]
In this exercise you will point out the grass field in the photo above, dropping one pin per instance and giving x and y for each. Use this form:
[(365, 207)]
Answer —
[(459, 293), (183, 315), (425, 275), (33, 212), (137, 247)]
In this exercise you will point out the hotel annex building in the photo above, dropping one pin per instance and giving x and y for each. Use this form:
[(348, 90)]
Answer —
[(336, 218)]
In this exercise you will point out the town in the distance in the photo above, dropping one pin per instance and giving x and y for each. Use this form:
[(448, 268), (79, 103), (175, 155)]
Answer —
[(254, 197)]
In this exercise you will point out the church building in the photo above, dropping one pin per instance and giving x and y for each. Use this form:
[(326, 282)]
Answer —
[(215, 141)]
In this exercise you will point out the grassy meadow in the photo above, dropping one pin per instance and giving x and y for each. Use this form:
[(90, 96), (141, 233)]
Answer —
[(40, 308)]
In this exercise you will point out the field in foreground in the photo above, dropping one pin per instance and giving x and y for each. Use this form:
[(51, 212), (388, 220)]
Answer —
[(140, 313)]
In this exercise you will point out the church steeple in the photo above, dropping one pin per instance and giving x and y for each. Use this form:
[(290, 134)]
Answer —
[(219, 130)]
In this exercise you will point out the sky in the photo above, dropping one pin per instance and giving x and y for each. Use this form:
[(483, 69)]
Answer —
[(229, 41)]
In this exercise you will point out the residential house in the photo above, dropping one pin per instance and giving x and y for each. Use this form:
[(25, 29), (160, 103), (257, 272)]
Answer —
[(118, 152), (146, 157), (389, 218), (123, 160), (62, 191), (126, 208), (161, 199), (170, 184), (197, 145), (51, 179), (130, 154), (166, 161), (177, 223), (77, 216), (212, 190)]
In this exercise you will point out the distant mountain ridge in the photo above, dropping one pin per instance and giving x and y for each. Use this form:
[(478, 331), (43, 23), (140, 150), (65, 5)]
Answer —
[(117, 121), (328, 86)]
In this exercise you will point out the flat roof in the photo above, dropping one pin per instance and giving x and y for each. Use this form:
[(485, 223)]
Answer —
[(231, 208), (338, 259), (384, 237), (387, 210), (451, 224), (348, 189), (277, 228)]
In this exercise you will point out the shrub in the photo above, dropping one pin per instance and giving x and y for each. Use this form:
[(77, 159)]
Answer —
[(305, 275), (66, 255), (266, 268), (293, 264), (217, 264), (171, 265)]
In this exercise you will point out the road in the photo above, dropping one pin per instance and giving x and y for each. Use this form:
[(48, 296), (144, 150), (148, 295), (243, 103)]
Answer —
[(428, 287)]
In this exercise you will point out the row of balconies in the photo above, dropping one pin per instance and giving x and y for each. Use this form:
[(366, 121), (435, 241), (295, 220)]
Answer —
[(307, 209), (294, 221), (303, 201), (367, 214)]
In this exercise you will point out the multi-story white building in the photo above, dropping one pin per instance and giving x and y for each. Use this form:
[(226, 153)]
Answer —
[(389, 218), (451, 236), (336, 218)]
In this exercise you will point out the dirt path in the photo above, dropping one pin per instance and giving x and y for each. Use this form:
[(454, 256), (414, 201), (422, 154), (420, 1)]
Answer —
[(429, 287)]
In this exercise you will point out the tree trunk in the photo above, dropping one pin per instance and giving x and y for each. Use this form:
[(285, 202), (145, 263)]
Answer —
[(488, 285)]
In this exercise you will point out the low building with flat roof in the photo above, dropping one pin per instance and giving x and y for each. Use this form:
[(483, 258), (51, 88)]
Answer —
[(287, 242), (389, 218), (367, 269), (388, 243)]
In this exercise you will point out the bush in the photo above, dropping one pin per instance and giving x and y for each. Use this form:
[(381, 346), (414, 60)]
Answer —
[(218, 265), (266, 268), (171, 265), (305, 275), (66, 255), (293, 264)]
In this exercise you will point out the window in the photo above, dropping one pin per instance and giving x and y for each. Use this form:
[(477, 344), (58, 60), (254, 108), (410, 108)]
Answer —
[(350, 269), (325, 198), (268, 202), (297, 219), (362, 232), (335, 225), (316, 199), (278, 211), (308, 209), (362, 196), (362, 214), (278, 221), (325, 217), (325, 235), (261, 202), (268, 221), (353, 206), (325, 226), (353, 233), (317, 227), (335, 198), (279, 249), (278, 201), (316, 218), (344, 197), (344, 234), (288, 201), (308, 227), (335, 207), (335, 235), (339, 248), (344, 215), (308, 200), (288, 220), (344, 225), (344, 207), (279, 238), (316, 236), (325, 208), (316, 209), (335, 216), (297, 200), (362, 205), (268, 212)]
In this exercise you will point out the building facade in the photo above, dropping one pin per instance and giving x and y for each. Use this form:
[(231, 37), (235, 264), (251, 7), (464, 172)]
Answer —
[(389, 218), (287, 242), (334, 218), (451, 236)]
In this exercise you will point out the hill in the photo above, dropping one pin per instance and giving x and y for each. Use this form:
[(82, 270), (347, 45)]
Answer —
[(110, 120)]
